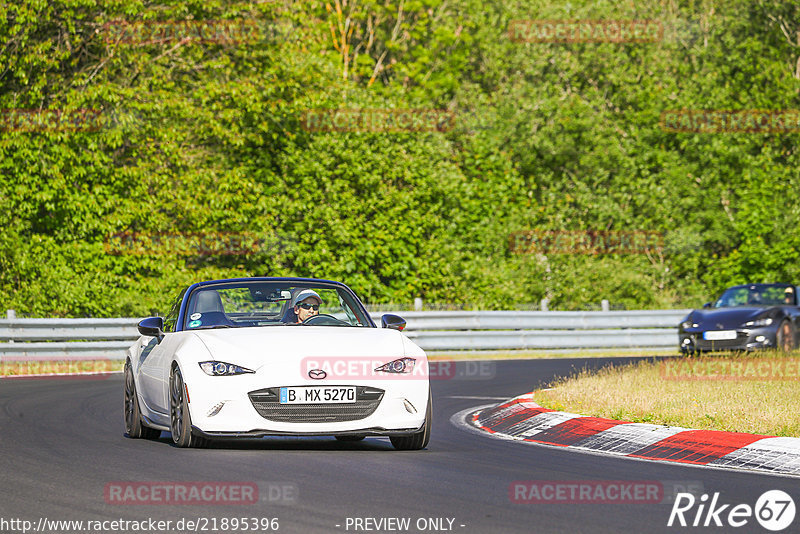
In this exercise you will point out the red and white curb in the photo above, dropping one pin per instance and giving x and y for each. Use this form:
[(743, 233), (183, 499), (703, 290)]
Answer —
[(522, 419)]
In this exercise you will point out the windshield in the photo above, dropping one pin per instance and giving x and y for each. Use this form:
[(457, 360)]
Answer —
[(756, 296), (236, 305)]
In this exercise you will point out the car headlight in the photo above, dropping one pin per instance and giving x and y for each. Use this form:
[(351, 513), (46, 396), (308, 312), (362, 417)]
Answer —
[(403, 365), (214, 368), (688, 324), (765, 321)]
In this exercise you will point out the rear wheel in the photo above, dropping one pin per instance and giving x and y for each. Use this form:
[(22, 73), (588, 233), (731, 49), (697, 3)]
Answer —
[(786, 336), (133, 417), (180, 421), (418, 440)]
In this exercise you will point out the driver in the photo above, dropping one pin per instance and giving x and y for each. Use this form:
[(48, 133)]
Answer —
[(306, 304), (788, 296)]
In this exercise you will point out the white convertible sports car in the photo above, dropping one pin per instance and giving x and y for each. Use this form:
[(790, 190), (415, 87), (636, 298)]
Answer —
[(255, 357)]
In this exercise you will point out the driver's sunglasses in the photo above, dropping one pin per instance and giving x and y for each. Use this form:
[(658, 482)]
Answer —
[(307, 306)]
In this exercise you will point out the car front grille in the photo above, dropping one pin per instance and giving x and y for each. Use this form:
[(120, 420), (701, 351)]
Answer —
[(266, 403), (722, 344)]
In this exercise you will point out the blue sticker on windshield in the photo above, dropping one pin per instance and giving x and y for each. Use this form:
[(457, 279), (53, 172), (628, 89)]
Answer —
[(195, 324)]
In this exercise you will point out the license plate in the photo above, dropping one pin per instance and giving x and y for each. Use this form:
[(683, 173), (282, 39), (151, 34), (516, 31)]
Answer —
[(318, 395), (717, 335)]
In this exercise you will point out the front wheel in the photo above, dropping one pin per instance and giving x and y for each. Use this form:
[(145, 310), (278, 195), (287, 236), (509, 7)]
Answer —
[(418, 440), (785, 340), (180, 422), (133, 416)]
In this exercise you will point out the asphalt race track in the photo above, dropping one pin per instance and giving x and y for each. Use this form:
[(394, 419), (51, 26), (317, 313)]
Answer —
[(62, 443)]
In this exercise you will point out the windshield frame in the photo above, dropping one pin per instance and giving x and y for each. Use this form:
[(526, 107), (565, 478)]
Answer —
[(750, 288), (312, 282)]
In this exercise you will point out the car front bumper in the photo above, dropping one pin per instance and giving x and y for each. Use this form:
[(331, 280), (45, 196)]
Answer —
[(224, 406), (746, 340), (264, 433)]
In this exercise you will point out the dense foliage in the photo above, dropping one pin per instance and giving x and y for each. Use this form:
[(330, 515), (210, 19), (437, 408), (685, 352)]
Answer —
[(184, 128)]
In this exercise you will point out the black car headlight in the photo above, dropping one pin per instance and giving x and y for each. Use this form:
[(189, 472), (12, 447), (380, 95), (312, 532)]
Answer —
[(764, 321), (402, 365), (688, 324), (214, 368)]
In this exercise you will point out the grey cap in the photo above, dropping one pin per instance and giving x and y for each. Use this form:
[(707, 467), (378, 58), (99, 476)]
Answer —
[(304, 294)]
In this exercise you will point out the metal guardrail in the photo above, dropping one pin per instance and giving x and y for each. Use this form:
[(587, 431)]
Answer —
[(537, 320), (546, 339), (445, 330), (68, 329)]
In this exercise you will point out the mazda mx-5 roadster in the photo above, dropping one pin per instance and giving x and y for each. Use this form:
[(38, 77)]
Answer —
[(254, 357), (747, 317)]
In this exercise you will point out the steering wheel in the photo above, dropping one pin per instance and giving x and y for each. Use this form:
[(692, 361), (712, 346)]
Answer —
[(325, 319)]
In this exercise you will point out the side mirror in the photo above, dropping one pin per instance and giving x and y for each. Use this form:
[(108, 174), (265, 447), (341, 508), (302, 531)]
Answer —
[(152, 326), (395, 322), (707, 305)]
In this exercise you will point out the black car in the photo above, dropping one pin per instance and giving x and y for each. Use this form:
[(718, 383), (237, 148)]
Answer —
[(746, 317)]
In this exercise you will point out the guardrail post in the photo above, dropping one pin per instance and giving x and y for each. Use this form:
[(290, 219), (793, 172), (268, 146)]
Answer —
[(418, 304), (604, 305), (544, 304), (11, 315)]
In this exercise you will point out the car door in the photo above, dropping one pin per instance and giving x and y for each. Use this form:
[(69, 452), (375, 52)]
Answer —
[(154, 362)]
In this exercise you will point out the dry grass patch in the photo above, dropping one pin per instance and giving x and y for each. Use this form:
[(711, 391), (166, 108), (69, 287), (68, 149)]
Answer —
[(641, 392)]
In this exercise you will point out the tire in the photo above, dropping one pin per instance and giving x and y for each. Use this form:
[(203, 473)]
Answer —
[(785, 339), (180, 421), (418, 440), (350, 437), (133, 416)]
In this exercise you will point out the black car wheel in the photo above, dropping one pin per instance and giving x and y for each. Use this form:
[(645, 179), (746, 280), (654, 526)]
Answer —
[(133, 417), (418, 440), (786, 336), (180, 421)]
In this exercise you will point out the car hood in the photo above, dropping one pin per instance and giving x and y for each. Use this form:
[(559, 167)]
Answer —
[(258, 346), (726, 317)]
